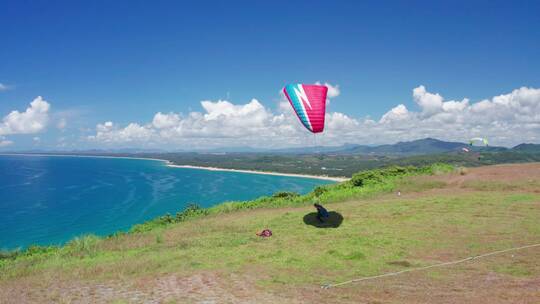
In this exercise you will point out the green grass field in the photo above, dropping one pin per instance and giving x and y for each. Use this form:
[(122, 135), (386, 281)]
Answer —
[(436, 219)]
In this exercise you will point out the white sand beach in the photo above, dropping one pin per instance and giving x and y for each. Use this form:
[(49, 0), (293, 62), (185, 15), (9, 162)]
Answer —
[(336, 179)]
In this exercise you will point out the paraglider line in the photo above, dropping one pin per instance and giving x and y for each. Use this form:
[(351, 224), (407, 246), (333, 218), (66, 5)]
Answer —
[(327, 286)]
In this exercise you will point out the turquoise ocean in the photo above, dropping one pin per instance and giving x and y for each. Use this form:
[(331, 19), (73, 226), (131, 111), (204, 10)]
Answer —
[(48, 200)]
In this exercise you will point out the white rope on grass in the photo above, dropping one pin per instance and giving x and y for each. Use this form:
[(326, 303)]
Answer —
[(327, 286)]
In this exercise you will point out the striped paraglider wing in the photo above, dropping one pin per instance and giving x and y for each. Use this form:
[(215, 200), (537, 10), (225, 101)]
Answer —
[(309, 104)]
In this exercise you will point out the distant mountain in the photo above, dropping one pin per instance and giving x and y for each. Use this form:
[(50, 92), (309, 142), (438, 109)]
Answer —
[(316, 149), (239, 149), (527, 148), (415, 147), (406, 148)]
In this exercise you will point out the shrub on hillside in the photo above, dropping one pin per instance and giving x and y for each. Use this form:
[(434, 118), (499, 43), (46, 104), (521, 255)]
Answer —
[(319, 190), (463, 171), (9, 254), (377, 176), (34, 249), (86, 245), (29, 251), (285, 194), (192, 210)]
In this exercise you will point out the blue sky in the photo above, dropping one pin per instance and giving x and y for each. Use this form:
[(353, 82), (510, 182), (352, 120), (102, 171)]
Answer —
[(124, 61)]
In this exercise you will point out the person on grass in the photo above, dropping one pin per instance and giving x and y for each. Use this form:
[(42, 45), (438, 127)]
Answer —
[(322, 213)]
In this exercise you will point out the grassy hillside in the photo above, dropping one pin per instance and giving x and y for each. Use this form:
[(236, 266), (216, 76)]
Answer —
[(214, 255)]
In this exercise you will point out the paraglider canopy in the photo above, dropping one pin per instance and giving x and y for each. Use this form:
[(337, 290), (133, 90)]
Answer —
[(309, 104), (478, 141)]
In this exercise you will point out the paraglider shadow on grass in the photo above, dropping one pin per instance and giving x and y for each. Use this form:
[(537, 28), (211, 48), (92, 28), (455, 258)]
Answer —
[(334, 220)]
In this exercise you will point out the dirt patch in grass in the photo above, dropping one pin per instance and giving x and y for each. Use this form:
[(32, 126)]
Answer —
[(509, 177), (501, 178), (201, 287)]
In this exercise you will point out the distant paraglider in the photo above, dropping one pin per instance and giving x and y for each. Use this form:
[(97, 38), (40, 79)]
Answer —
[(478, 141), (309, 104)]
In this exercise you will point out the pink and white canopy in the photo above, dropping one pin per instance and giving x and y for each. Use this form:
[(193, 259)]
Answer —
[(309, 104)]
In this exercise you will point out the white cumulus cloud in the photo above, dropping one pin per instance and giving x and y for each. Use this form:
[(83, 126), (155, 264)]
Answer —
[(429, 103), (333, 90), (108, 132), (33, 120), (399, 112), (506, 119), (163, 121)]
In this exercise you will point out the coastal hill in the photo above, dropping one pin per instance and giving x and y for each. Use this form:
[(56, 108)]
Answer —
[(214, 255), (532, 148)]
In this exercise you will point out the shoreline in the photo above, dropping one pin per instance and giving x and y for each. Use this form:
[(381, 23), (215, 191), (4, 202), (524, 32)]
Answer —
[(335, 179), (170, 164)]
